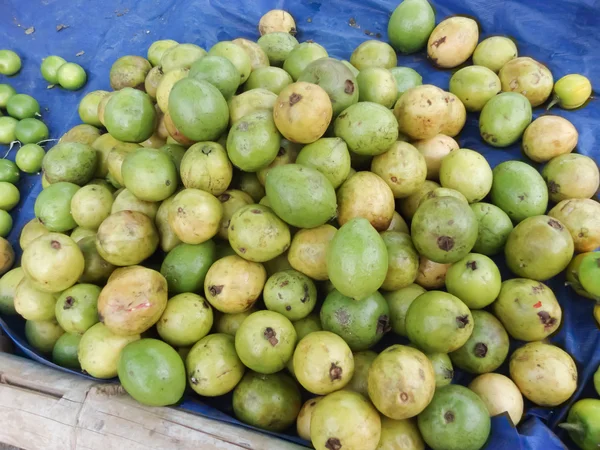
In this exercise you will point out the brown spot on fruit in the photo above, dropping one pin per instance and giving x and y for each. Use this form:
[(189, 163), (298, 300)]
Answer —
[(342, 316), (462, 321), (538, 289), (333, 444), (256, 211), (553, 187), (69, 301), (429, 102), (215, 290), (288, 308), (439, 42), (421, 374), (335, 372), (448, 373), (284, 283), (348, 87), (404, 396), (547, 320), (480, 350), (445, 243), (383, 324), (295, 98), (306, 295), (394, 179), (241, 249), (472, 265), (55, 245), (193, 380), (555, 224), (271, 336), (180, 210), (224, 197), (449, 416)]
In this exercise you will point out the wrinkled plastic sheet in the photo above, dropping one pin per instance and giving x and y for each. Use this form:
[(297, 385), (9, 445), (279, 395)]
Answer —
[(563, 34)]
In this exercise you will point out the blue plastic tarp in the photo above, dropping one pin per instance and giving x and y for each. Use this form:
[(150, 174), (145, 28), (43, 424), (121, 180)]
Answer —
[(563, 34)]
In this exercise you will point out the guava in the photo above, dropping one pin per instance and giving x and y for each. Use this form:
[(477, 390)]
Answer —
[(494, 228), (456, 419), (6, 92), (291, 294), (258, 57), (357, 260), (272, 79), (80, 233), (308, 251), (133, 300), (504, 118), (76, 308), (422, 111), (362, 364), (65, 350), (287, 154), (475, 279), (528, 77), (249, 102), (398, 224), (582, 423), (9, 172), (186, 265), (539, 248), (236, 55), (329, 156), (452, 41), (398, 302), (270, 402), (126, 238), (544, 373), (130, 116), (438, 322), (195, 216), (301, 56), (494, 52), (158, 48), (549, 136), (168, 238), (442, 367), (33, 304), (500, 395), (7, 129), (323, 362), (164, 88), (232, 200), (111, 154), (400, 433), (6, 223), (582, 219), (43, 334), (443, 192), (257, 234), (213, 366), (377, 85), (91, 205), (402, 167), (187, 318), (588, 270), (233, 284), (129, 71), (475, 86), (457, 164), (571, 176), (175, 152), (405, 78), (305, 416), (88, 107), (53, 206), (403, 260), (401, 382), (230, 323), (218, 71), (519, 190), (302, 112), (528, 309), (8, 285), (181, 56), (52, 263), (571, 91), (96, 269), (374, 53), (277, 46), (126, 201), (309, 324), (7, 256)]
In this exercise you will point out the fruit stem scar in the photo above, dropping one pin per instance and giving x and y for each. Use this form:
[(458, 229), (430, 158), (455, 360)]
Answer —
[(215, 290), (333, 444), (383, 324), (335, 372), (480, 350), (462, 321), (55, 245), (449, 416), (69, 302), (472, 265), (295, 98), (348, 87), (445, 243), (271, 336)]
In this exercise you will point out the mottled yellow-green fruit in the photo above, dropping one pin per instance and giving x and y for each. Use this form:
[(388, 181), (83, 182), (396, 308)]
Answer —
[(455, 167), (308, 251), (100, 349), (572, 91), (434, 150), (362, 364), (195, 216), (166, 85), (408, 206), (399, 301), (287, 154), (330, 156), (494, 52), (474, 86), (33, 304), (234, 53), (301, 56), (582, 219), (544, 373), (452, 42), (400, 434), (91, 205), (373, 53), (7, 256), (398, 224), (181, 56), (401, 382), (8, 285), (232, 200), (232, 284), (168, 238), (258, 57), (127, 201), (457, 116), (42, 335), (528, 77), (205, 166), (31, 231), (304, 417), (403, 260), (230, 323), (431, 275), (500, 395), (186, 319), (158, 48), (402, 167), (129, 71), (378, 85), (250, 101), (549, 136), (422, 111), (277, 20), (444, 192), (571, 176)]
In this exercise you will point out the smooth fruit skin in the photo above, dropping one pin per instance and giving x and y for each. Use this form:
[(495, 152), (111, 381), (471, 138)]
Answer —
[(504, 118), (410, 25), (583, 423), (572, 91), (494, 52)]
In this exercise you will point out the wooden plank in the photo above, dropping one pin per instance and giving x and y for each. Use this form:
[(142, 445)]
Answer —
[(46, 409)]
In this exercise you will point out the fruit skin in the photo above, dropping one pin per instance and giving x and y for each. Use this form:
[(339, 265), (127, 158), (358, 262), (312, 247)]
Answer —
[(406, 78), (71, 76), (7, 256), (129, 71), (456, 419), (588, 273), (399, 301), (571, 176), (9, 172), (130, 115), (270, 402), (88, 107), (540, 247), (373, 53), (133, 300), (195, 216), (452, 42), (444, 229), (500, 395), (534, 316), (323, 362), (453, 172), (272, 79), (277, 46), (336, 79), (582, 423), (302, 112), (236, 55), (185, 266), (401, 382), (402, 434), (70, 162), (378, 130), (475, 279), (346, 420), (366, 195), (265, 341), (301, 56), (53, 262), (152, 372), (291, 294), (277, 20), (218, 71), (487, 347), (125, 200), (549, 136), (494, 52), (65, 349), (100, 349), (158, 48), (10, 62), (181, 56), (597, 379), (360, 323), (7, 129), (410, 25), (6, 92), (329, 156), (304, 417), (42, 335), (6, 223), (498, 130), (544, 373), (96, 269), (31, 131), (8, 284), (33, 304), (582, 219), (422, 111), (528, 77), (475, 86), (572, 91), (357, 260), (186, 319), (10, 196), (213, 366), (438, 322), (76, 308), (258, 58), (362, 364), (494, 228), (150, 174), (377, 85), (308, 251), (22, 106), (403, 260), (519, 190), (402, 167)]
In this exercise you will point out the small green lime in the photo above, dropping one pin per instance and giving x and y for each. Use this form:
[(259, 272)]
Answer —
[(50, 66), (29, 158), (30, 131), (9, 171), (6, 223), (7, 129), (71, 76), (10, 62), (22, 106), (6, 92), (9, 196)]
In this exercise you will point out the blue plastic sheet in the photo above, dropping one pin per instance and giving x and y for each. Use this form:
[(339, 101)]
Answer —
[(563, 34)]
